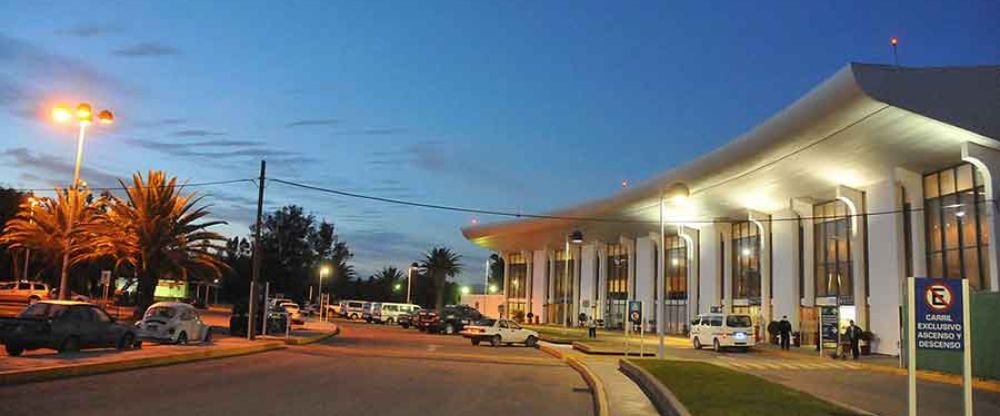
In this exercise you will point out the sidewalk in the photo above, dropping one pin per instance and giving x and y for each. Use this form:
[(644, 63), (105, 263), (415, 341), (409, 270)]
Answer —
[(623, 395)]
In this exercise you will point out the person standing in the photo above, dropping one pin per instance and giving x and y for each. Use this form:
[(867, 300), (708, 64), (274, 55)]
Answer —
[(854, 337), (785, 333), (592, 328)]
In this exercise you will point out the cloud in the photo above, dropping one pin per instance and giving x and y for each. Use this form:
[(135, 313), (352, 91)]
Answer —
[(197, 133), (56, 171), (435, 157), (220, 151), (89, 30), (145, 49), (160, 123), (312, 122), (372, 132)]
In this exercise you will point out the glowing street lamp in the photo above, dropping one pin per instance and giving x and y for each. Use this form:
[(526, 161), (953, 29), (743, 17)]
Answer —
[(324, 270), (409, 279), (83, 114), (465, 290), (493, 288)]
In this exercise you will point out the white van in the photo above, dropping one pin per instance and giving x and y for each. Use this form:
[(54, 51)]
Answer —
[(388, 313), (722, 331), (352, 309)]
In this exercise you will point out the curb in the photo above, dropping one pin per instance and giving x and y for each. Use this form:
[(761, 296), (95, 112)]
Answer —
[(600, 394), (589, 350), (313, 338), (663, 399), (87, 369)]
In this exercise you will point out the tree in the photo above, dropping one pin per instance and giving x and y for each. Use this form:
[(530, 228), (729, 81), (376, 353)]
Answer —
[(10, 202), (159, 231), (59, 228), (382, 285), (439, 264), (496, 276)]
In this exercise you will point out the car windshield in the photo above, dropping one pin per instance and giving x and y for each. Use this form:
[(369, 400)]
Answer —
[(161, 312), (738, 321), (486, 322), (42, 310)]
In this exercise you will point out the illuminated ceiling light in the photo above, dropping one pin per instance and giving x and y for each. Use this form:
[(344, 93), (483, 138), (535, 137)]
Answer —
[(745, 252), (674, 262)]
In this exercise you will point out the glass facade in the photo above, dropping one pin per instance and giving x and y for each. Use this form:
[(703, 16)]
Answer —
[(517, 289), (746, 262), (616, 264), (675, 287), (562, 288), (833, 252), (957, 228)]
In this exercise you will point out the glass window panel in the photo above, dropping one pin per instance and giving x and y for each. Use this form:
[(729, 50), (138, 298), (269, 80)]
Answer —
[(970, 269), (950, 225), (934, 223), (953, 265), (931, 186), (820, 278), (984, 225), (843, 278), (964, 178), (967, 220), (947, 182), (937, 264)]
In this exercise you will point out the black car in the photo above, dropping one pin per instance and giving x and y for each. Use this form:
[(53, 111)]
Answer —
[(449, 320), (66, 326)]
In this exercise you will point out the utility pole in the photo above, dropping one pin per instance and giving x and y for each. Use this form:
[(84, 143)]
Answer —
[(251, 330)]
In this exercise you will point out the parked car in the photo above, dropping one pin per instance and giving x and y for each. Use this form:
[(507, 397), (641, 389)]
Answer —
[(499, 331), (450, 320), (22, 291), (389, 313), (294, 312), (352, 309), (196, 302), (407, 320), (65, 326), (722, 331), (173, 322), (366, 311)]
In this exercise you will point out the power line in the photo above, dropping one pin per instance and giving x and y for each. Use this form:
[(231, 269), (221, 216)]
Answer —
[(122, 188), (582, 218)]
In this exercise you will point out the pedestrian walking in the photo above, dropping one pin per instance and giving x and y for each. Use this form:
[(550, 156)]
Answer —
[(592, 328), (785, 333), (854, 337)]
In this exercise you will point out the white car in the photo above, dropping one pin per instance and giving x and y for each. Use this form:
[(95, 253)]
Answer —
[(173, 322), (388, 313), (722, 331), (499, 331), (294, 312)]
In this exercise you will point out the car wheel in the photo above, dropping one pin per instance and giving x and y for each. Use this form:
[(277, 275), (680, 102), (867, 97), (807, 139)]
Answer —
[(354, 316), (475, 341), (531, 341), (182, 338), (405, 326), (390, 321), (126, 342), (495, 340), (449, 329), (696, 343), (71, 344), (208, 336), (15, 350), (716, 346)]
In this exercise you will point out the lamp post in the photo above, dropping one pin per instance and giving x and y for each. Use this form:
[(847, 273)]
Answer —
[(677, 193), (32, 202), (409, 280), (323, 271), (84, 116), (486, 281)]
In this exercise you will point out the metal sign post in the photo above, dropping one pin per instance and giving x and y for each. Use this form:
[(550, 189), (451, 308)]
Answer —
[(634, 318), (938, 320)]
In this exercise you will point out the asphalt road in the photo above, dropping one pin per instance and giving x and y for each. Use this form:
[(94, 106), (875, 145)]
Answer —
[(367, 370)]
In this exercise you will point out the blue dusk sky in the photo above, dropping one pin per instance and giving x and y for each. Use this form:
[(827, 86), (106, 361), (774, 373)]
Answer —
[(506, 105)]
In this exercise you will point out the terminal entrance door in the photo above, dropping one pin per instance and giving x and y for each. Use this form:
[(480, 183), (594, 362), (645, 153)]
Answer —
[(614, 317)]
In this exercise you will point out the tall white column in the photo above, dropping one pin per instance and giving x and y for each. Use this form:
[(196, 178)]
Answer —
[(785, 266), (888, 273), (506, 284), (588, 255), (726, 234), (644, 275), (539, 274), (710, 271), (602, 280), (691, 239), (913, 184), (804, 208), (987, 160)]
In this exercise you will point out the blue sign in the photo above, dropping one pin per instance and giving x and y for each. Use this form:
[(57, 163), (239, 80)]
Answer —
[(635, 312), (939, 313)]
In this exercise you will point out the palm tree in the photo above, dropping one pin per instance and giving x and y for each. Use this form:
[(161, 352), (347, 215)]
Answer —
[(156, 230), (385, 282), (60, 228), (441, 263)]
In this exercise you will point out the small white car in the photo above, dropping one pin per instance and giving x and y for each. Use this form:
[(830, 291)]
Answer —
[(722, 331), (499, 331), (173, 322), (388, 313), (294, 312)]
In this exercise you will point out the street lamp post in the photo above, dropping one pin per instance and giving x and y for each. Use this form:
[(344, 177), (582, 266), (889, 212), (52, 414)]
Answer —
[(32, 201), (323, 270), (84, 115), (486, 282), (677, 193), (409, 280)]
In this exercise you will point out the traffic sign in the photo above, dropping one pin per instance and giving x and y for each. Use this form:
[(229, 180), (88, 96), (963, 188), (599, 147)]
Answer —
[(635, 312), (939, 306)]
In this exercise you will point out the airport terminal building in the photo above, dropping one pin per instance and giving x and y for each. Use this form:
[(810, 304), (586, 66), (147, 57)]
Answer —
[(879, 173)]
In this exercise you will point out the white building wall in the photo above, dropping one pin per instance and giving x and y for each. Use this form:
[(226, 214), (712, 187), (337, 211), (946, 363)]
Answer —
[(785, 266), (587, 300), (539, 273), (710, 274), (644, 275), (805, 210), (887, 266)]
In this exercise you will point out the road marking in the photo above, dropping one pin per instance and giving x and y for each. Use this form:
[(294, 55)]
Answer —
[(432, 348)]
